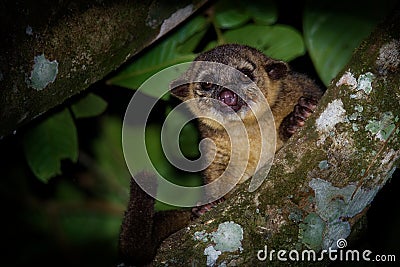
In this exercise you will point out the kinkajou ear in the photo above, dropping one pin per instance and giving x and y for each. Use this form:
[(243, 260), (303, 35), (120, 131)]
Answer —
[(277, 69)]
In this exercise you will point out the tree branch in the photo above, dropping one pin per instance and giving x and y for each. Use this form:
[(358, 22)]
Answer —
[(81, 42), (326, 176)]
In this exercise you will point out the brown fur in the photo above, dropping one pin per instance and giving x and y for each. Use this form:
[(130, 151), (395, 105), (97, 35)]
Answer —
[(281, 87), (142, 228)]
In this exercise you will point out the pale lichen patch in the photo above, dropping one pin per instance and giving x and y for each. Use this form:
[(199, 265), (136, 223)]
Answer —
[(176, 18), (389, 57), (330, 200), (28, 30), (365, 82), (212, 255), (362, 85), (201, 235), (359, 108), (330, 117), (347, 79), (336, 231), (44, 72), (311, 231), (227, 238), (334, 204), (323, 165), (382, 128)]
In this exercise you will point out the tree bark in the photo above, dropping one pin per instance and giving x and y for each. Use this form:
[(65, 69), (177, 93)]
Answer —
[(323, 180), (52, 50)]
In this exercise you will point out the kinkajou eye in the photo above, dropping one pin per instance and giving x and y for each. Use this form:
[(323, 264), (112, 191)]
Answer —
[(206, 85), (248, 73)]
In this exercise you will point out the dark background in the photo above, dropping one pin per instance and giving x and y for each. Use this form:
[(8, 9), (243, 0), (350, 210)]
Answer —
[(29, 238)]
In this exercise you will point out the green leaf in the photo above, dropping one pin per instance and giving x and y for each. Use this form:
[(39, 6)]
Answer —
[(189, 36), (160, 57), (108, 153), (192, 27), (170, 51), (333, 29), (278, 41), (262, 12), (230, 14), (89, 106), (48, 143)]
